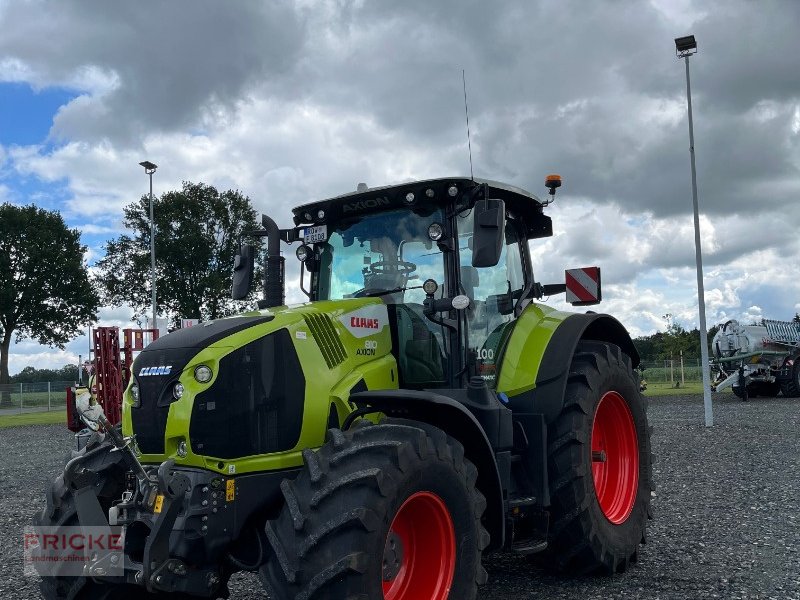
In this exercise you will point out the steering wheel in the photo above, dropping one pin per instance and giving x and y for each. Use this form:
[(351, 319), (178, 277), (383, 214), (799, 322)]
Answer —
[(385, 267)]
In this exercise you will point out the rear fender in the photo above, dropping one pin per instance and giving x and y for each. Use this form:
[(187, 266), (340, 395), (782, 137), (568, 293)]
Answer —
[(536, 364), (454, 419)]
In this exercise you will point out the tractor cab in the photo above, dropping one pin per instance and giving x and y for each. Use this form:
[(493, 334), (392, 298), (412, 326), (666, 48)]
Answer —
[(448, 257)]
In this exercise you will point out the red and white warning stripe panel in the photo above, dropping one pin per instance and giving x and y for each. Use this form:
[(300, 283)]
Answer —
[(583, 286)]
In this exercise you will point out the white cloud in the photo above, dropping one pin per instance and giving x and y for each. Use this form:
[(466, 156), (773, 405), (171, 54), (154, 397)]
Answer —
[(307, 100)]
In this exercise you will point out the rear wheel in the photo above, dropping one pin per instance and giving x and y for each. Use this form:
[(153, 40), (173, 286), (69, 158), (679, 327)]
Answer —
[(382, 511), (600, 465), (791, 388)]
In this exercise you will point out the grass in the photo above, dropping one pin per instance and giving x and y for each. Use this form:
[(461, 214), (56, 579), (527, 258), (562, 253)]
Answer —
[(667, 389), (34, 399), (36, 418)]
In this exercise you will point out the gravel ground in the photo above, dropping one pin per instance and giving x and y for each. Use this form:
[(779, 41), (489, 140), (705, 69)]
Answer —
[(727, 509)]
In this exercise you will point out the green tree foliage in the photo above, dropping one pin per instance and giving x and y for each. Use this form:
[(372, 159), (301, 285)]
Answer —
[(198, 232), (34, 375), (45, 292), (668, 344)]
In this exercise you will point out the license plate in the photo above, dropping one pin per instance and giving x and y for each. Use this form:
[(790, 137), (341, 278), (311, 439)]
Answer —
[(312, 235)]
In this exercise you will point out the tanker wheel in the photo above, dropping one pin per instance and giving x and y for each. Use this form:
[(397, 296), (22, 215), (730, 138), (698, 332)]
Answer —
[(791, 388), (744, 392), (61, 512), (599, 465), (380, 511)]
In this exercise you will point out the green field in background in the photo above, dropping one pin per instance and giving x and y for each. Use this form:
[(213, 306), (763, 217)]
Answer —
[(36, 418), (667, 389)]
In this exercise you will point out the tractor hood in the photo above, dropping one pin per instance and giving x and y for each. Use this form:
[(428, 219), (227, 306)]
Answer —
[(261, 373), (207, 333)]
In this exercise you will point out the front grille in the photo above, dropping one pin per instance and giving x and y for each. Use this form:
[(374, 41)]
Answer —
[(321, 327), (149, 419), (255, 405)]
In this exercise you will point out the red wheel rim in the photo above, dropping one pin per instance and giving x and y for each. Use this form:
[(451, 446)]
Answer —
[(420, 551), (615, 457)]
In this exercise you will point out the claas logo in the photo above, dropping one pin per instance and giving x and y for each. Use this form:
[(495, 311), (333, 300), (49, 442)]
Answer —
[(364, 323)]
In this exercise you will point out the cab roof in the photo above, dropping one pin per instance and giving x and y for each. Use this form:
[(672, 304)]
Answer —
[(518, 201)]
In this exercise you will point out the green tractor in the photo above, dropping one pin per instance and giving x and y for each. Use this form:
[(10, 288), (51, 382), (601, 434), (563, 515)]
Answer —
[(419, 411)]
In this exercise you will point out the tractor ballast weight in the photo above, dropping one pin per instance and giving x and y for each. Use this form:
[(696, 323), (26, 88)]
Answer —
[(420, 410)]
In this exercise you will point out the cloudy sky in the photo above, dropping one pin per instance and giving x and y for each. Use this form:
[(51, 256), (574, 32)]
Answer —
[(289, 102)]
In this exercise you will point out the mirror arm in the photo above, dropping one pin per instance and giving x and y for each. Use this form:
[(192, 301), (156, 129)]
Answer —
[(302, 273), (290, 235), (430, 308), (551, 289)]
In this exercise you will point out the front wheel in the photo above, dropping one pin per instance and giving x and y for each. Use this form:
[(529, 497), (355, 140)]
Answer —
[(599, 465), (382, 511)]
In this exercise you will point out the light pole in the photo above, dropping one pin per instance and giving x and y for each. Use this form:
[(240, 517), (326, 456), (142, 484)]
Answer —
[(149, 169), (684, 48)]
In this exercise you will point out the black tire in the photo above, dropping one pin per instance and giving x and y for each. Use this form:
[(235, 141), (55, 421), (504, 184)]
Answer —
[(583, 539), (60, 512), (791, 388), (744, 393), (334, 528)]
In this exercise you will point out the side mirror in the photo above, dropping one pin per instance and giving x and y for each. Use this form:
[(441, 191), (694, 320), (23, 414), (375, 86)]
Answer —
[(488, 232), (243, 266)]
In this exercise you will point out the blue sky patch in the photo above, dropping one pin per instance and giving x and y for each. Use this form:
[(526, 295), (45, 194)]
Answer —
[(27, 115)]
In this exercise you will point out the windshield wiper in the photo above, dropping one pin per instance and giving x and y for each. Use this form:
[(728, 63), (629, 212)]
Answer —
[(374, 293)]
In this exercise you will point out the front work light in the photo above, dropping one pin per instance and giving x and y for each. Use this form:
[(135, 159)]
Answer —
[(135, 394), (303, 253), (430, 286), (203, 374), (435, 232)]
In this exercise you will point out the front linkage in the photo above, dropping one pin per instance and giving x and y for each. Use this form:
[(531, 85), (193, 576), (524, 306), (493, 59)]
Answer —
[(105, 485)]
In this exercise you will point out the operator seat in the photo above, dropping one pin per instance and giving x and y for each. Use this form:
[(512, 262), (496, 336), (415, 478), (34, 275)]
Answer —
[(420, 358)]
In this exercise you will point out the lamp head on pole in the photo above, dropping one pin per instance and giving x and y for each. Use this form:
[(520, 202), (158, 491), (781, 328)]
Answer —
[(685, 46), (149, 168)]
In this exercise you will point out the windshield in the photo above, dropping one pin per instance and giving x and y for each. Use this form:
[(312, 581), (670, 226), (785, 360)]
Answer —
[(381, 252)]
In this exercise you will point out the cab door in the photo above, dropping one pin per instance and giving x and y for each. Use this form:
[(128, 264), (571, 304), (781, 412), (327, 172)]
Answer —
[(493, 292)]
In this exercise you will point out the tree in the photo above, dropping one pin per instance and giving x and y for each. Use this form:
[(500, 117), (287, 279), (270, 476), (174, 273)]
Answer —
[(796, 318), (45, 292), (198, 232), (33, 375)]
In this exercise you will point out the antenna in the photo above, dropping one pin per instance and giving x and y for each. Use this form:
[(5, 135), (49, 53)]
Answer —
[(466, 112)]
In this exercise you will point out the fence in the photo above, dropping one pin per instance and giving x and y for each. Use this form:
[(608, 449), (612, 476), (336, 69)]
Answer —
[(33, 397), (670, 371)]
